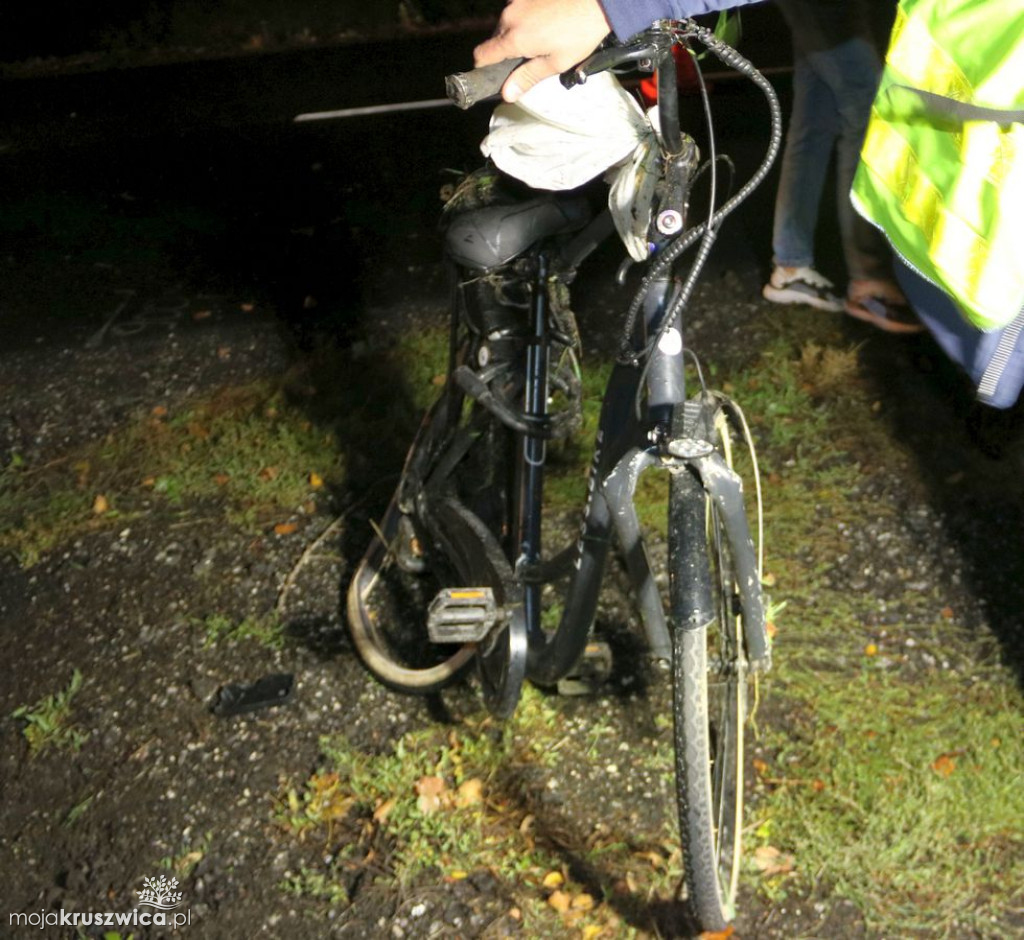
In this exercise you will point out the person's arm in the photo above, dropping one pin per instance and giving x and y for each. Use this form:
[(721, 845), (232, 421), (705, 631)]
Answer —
[(628, 17), (554, 35)]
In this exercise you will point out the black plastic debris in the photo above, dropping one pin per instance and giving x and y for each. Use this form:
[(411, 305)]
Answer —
[(271, 690)]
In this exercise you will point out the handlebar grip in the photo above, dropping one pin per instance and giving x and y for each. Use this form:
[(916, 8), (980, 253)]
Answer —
[(469, 88)]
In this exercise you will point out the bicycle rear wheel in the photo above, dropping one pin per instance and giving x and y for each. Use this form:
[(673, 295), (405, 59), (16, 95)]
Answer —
[(449, 525), (392, 588), (710, 684)]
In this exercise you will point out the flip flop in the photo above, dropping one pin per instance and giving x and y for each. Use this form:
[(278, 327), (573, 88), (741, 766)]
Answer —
[(884, 314)]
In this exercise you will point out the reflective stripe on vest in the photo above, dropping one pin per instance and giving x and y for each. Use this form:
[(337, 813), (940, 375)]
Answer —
[(948, 190)]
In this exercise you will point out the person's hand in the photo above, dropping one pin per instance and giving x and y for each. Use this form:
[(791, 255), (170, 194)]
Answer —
[(553, 35)]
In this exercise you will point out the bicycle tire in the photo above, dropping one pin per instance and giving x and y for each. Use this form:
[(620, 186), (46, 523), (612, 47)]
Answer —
[(710, 677), (433, 667)]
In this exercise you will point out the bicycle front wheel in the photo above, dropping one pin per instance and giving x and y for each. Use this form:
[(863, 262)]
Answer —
[(710, 680)]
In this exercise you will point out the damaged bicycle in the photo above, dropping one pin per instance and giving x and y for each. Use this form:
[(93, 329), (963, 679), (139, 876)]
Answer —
[(466, 570)]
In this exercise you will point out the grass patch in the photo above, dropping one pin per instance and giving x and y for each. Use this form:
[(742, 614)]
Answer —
[(894, 786), (219, 628), (911, 808), (252, 455), (47, 724), (248, 452), (450, 801)]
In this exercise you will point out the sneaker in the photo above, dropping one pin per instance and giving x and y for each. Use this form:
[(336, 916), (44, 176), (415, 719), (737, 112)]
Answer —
[(801, 286)]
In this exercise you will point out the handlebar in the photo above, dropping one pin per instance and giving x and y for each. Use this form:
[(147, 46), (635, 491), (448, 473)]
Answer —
[(469, 88), (466, 89)]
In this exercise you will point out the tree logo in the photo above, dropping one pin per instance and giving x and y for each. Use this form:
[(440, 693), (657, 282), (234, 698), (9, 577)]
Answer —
[(160, 893)]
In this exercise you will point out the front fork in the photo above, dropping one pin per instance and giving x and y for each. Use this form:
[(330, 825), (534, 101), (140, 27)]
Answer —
[(680, 444), (615, 476)]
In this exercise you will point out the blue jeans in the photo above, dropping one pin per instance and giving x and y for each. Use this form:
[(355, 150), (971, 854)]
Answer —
[(832, 95)]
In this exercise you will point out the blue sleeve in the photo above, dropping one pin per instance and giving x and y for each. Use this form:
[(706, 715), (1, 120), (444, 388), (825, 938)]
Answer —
[(628, 17)]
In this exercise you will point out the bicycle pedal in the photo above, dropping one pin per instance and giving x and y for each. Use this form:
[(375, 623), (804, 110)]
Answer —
[(462, 615), (591, 671)]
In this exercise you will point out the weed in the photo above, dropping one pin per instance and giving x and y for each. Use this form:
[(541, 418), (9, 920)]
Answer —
[(47, 723), (190, 855), (77, 811), (219, 628), (310, 883)]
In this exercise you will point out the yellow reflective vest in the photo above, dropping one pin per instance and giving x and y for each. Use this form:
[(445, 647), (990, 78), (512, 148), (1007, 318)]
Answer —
[(942, 165)]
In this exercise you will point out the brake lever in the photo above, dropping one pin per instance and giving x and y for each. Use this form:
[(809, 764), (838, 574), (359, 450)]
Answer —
[(604, 59)]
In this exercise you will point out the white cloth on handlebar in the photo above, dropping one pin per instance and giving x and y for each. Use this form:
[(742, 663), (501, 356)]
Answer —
[(560, 138), (556, 138)]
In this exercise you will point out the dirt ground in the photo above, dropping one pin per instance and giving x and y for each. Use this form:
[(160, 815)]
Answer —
[(160, 784)]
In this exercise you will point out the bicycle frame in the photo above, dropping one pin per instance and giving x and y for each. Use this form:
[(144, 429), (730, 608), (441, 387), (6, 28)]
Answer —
[(624, 451), (628, 445)]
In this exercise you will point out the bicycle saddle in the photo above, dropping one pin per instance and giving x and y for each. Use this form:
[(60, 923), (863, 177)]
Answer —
[(487, 238)]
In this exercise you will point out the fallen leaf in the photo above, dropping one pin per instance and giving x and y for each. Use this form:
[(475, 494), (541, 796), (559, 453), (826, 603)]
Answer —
[(434, 786), (223, 353), (221, 479), (430, 791), (871, 649), (285, 528), (945, 764), (583, 902), (269, 473), (770, 861), (315, 480), (947, 613), (470, 793), (760, 766), (428, 804), (380, 814), (655, 858), (590, 931), (159, 411), (188, 861), (718, 934), (560, 901), (247, 308), (553, 879), (202, 315), (100, 505)]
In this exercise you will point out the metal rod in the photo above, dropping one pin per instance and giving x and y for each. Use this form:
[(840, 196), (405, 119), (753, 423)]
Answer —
[(373, 109)]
